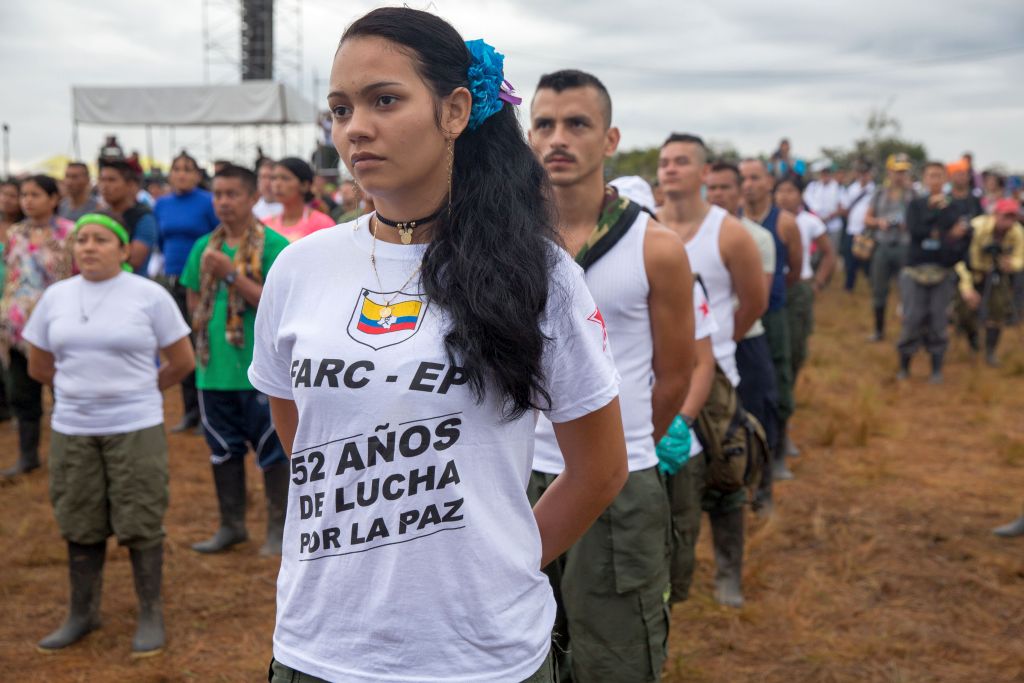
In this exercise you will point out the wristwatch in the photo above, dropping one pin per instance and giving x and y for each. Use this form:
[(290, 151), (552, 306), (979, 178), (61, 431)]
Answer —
[(230, 278)]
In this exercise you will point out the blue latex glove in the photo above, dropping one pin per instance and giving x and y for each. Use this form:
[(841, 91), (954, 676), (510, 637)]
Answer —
[(674, 448)]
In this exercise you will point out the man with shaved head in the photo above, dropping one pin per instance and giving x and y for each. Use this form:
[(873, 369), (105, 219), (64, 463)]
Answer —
[(756, 188), (611, 595), (726, 258)]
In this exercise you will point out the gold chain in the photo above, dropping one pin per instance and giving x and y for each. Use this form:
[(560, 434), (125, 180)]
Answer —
[(385, 310)]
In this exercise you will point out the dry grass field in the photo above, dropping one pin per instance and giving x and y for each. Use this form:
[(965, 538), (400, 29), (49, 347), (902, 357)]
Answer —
[(878, 564)]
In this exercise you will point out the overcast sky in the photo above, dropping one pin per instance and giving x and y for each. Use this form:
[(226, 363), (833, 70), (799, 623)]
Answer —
[(743, 71)]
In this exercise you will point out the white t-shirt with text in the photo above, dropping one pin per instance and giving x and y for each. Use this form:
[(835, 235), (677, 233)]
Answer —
[(106, 379), (411, 552)]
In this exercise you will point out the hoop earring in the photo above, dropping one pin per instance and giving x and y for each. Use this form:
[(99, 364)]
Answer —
[(451, 166)]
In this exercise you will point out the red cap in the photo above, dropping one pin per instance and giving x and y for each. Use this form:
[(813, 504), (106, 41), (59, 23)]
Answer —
[(1007, 206)]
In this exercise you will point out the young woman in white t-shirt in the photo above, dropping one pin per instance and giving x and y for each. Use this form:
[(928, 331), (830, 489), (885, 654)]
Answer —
[(405, 354), (93, 338)]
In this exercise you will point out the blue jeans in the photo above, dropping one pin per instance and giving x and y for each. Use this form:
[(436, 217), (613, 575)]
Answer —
[(234, 421), (851, 264)]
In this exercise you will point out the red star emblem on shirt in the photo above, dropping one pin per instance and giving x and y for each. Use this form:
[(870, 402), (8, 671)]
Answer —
[(596, 317), (705, 310)]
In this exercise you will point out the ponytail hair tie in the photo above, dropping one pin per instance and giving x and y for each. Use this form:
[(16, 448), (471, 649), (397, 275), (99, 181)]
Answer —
[(487, 83)]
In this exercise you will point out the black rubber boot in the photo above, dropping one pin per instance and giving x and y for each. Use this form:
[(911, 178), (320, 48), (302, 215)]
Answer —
[(28, 449), (936, 377), (879, 334), (904, 371), (275, 486), (972, 340), (188, 421), (5, 406), (1011, 530), (780, 472), (229, 480), (727, 535), (85, 571), (991, 343), (147, 570)]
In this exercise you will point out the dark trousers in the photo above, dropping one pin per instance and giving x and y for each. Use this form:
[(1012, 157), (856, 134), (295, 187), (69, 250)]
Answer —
[(5, 401), (759, 396), (282, 673), (188, 385), (800, 317), (886, 264), (851, 264), (776, 332), (757, 390), (611, 585), (686, 495), (24, 393), (925, 315), (234, 421)]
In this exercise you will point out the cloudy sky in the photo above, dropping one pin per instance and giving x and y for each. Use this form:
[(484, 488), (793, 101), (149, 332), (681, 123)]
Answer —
[(743, 71)]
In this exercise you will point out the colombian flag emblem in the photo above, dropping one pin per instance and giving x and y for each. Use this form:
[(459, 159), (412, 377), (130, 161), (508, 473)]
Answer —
[(403, 316), (377, 323)]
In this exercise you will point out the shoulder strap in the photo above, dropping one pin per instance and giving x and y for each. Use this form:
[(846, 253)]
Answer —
[(863, 193), (589, 256), (699, 281), (876, 199), (133, 215)]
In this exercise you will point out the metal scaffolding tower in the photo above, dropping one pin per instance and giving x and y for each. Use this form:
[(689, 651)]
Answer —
[(253, 39)]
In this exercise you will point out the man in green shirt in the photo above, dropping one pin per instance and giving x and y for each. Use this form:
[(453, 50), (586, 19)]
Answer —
[(224, 277)]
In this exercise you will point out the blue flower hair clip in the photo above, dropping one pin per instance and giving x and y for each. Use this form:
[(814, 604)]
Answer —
[(487, 83)]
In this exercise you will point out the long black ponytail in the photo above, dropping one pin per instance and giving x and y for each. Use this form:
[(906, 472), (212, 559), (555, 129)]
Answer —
[(489, 262)]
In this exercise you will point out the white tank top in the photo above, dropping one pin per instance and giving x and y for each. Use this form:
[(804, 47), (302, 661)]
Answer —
[(618, 283), (706, 261)]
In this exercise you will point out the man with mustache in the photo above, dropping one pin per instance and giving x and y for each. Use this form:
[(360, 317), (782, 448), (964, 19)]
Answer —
[(611, 595)]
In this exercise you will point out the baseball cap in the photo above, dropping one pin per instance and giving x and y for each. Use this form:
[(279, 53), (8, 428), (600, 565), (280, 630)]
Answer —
[(635, 188), (960, 165), (1007, 206), (898, 162)]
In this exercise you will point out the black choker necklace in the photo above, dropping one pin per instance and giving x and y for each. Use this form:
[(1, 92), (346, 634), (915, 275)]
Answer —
[(405, 228)]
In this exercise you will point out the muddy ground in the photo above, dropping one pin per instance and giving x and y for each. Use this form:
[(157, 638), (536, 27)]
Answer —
[(877, 565)]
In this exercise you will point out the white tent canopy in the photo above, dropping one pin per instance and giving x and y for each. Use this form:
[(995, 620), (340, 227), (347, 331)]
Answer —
[(246, 103)]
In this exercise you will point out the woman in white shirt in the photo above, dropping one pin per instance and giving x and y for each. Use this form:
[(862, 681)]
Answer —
[(405, 354), (93, 338)]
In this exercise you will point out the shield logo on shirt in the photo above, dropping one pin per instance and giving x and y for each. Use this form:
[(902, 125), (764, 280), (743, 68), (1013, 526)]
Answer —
[(381, 319)]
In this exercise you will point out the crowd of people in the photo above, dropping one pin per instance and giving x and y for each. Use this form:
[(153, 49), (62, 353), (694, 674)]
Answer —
[(383, 345), (99, 280)]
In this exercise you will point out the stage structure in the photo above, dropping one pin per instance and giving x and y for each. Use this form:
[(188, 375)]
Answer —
[(252, 103)]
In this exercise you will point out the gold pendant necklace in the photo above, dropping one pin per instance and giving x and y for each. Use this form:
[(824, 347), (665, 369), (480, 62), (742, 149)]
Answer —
[(406, 228), (405, 232), (384, 314)]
